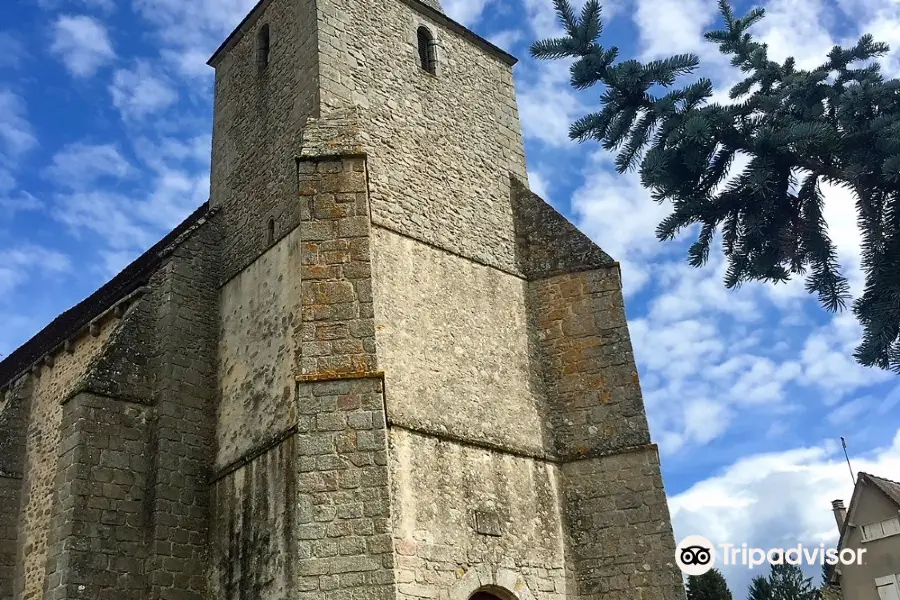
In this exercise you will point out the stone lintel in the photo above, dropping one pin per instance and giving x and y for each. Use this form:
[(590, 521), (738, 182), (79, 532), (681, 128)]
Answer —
[(519, 453), (252, 454), (613, 452), (336, 376), (325, 157), (86, 388)]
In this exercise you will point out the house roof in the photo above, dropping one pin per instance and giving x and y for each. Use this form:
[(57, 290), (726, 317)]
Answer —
[(888, 487), (70, 322)]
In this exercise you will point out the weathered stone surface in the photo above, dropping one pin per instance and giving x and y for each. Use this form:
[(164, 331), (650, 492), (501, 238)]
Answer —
[(255, 508), (13, 430), (591, 379), (618, 526), (259, 114), (260, 310), (439, 148), (43, 443), (99, 522), (394, 370), (437, 487), (453, 333), (547, 243)]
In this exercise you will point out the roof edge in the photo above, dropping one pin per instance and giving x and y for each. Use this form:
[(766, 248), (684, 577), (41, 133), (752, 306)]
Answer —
[(131, 278), (885, 486), (435, 15), (246, 23), (864, 479), (462, 30)]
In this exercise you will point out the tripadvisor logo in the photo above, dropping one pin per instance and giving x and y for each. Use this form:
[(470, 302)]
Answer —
[(696, 555)]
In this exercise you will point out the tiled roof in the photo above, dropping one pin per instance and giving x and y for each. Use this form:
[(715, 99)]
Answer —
[(890, 488), (70, 322)]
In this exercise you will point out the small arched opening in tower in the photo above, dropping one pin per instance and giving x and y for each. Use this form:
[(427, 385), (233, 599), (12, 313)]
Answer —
[(262, 46), (270, 232), (427, 51)]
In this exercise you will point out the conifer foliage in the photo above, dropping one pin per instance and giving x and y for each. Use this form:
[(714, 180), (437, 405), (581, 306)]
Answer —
[(837, 123), (709, 586)]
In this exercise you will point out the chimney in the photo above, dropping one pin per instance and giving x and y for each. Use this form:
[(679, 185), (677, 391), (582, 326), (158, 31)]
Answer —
[(840, 513)]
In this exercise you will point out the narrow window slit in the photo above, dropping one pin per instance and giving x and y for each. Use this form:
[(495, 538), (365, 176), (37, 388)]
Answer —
[(262, 46), (427, 54)]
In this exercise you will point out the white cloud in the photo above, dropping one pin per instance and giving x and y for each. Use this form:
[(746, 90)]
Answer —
[(795, 28), (539, 184), (668, 27), (18, 264), (542, 18), (106, 215), (80, 165), (140, 92), (506, 39), (16, 134), (173, 183), (18, 202), (547, 103), (827, 356), (466, 12), (195, 27), (82, 44), (775, 500), (619, 215)]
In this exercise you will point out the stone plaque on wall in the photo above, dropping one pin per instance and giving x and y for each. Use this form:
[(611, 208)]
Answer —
[(487, 523)]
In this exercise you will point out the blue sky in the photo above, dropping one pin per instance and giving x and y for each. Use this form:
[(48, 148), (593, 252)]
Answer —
[(105, 121)]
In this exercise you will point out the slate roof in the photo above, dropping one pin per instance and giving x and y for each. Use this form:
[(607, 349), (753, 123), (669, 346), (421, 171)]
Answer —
[(70, 322)]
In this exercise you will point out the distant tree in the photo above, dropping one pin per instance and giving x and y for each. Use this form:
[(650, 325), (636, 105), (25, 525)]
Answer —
[(838, 123), (709, 586), (788, 583), (785, 582), (759, 589), (828, 591)]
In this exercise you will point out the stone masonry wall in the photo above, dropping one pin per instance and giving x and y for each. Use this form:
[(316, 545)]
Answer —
[(621, 542), (42, 447), (337, 329), (259, 113), (344, 536), (592, 381), (440, 147), (454, 333), (99, 524), (344, 541), (258, 350), (461, 511), (620, 537), (254, 550), (13, 427), (185, 294)]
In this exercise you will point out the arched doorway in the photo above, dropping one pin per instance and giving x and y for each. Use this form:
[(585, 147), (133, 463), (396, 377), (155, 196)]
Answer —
[(491, 593), (484, 596)]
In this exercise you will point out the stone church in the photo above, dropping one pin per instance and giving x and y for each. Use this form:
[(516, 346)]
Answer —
[(373, 366)]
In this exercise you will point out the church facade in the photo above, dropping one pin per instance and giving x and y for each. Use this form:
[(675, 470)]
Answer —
[(374, 365)]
